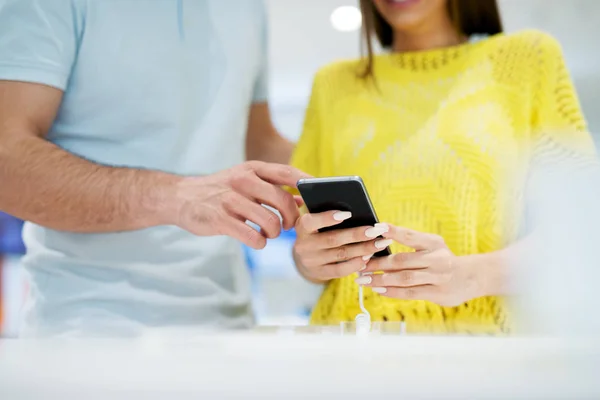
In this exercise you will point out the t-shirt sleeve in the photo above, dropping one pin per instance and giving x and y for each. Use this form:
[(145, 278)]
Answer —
[(38, 41), (261, 86)]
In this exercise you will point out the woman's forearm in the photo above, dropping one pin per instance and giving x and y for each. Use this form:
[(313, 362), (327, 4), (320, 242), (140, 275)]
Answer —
[(494, 271), (491, 270)]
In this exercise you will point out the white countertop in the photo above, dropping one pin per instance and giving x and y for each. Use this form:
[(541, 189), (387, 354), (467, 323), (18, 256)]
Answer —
[(300, 366)]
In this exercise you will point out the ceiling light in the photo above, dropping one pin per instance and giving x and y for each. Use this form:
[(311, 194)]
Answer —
[(346, 18)]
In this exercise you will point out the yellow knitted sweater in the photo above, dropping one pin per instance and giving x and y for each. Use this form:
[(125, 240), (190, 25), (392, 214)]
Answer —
[(443, 141)]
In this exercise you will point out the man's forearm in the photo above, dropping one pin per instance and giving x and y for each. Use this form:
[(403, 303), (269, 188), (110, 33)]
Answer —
[(276, 150), (46, 185), (263, 141)]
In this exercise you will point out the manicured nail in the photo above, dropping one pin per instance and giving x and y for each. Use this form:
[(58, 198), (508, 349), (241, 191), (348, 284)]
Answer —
[(382, 244), (342, 215), (374, 232), (380, 290), (367, 258), (385, 227), (363, 268), (366, 273), (364, 280)]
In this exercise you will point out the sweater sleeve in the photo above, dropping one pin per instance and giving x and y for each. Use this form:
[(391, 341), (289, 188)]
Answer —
[(559, 127), (564, 159)]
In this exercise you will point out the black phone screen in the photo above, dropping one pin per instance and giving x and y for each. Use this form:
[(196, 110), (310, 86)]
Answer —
[(340, 194)]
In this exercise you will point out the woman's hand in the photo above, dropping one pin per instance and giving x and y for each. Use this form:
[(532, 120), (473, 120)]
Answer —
[(430, 273), (321, 257)]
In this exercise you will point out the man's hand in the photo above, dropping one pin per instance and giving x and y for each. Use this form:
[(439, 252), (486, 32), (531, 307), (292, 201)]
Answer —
[(220, 204), (44, 184)]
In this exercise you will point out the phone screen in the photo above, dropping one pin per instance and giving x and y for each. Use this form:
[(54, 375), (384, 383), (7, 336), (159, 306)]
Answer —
[(340, 194)]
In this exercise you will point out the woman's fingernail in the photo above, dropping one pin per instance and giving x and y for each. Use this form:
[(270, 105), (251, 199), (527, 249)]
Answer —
[(382, 244), (380, 290), (374, 232), (367, 258), (364, 280), (384, 227), (363, 268), (342, 215)]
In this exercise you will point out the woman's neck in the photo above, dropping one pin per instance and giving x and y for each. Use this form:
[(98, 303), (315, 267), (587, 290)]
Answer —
[(427, 38)]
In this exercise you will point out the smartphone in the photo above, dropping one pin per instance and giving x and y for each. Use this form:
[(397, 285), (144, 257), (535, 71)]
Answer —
[(343, 193)]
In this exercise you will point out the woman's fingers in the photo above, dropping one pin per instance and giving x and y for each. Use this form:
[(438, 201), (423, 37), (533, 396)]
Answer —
[(336, 253), (401, 279), (400, 261), (425, 292), (342, 245), (414, 239), (311, 223), (324, 272), (350, 251), (338, 238), (340, 270)]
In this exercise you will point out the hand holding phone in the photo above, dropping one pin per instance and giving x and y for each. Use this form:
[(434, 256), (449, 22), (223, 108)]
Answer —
[(341, 233)]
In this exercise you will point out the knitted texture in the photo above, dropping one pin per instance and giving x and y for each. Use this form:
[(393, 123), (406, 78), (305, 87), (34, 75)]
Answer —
[(444, 140)]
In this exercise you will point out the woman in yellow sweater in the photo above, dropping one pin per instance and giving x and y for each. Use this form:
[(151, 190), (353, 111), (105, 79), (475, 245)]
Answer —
[(444, 128)]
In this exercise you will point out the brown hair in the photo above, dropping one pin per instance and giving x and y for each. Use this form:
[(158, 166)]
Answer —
[(470, 17)]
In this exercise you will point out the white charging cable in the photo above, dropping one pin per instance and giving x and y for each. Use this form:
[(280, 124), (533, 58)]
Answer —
[(363, 319)]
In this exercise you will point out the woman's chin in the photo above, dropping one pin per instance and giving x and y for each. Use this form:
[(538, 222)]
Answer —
[(406, 23)]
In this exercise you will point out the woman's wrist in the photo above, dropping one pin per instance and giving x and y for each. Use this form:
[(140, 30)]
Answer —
[(489, 272)]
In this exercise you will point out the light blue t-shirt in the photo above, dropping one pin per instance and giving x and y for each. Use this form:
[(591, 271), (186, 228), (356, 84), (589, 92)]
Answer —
[(156, 84)]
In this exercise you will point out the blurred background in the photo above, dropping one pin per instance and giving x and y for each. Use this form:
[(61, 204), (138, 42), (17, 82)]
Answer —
[(304, 36)]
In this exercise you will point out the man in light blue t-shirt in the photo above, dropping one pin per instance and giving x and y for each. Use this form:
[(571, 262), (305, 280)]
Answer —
[(124, 127)]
